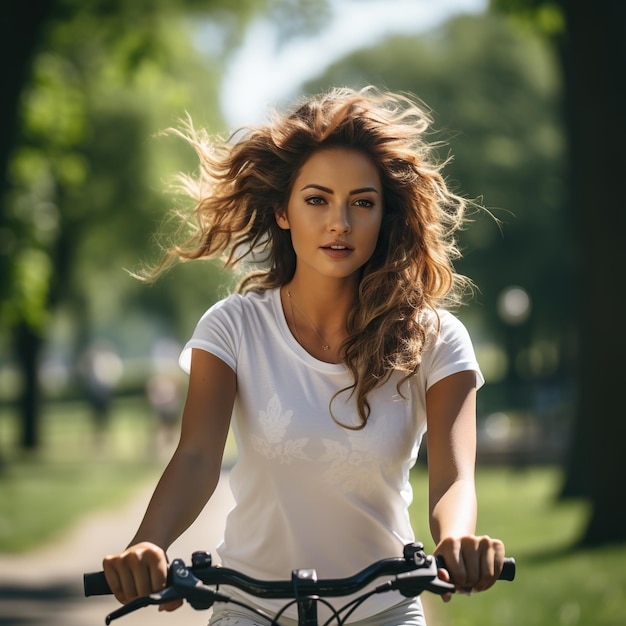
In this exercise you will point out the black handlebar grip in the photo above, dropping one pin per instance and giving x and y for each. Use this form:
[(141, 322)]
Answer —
[(508, 569), (95, 584)]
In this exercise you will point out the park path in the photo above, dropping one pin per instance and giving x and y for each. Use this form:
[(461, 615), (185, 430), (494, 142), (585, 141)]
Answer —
[(44, 587)]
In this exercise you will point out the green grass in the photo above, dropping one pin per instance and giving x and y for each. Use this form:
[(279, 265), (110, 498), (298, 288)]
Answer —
[(44, 499), (557, 583), (76, 471), (45, 492)]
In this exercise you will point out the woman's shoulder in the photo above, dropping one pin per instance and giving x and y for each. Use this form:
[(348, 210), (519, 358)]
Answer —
[(448, 348), (237, 304), (442, 326), (225, 325)]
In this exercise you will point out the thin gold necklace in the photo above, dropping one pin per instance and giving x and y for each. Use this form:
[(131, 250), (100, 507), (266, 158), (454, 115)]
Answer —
[(325, 346)]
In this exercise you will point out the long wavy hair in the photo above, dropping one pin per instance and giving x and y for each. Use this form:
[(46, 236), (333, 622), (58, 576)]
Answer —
[(244, 181)]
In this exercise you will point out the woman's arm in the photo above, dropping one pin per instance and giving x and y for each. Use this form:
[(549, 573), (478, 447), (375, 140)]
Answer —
[(474, 562), (187, 483)]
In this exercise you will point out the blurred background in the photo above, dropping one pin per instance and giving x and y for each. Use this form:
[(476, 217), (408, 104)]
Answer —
[(528, 98)]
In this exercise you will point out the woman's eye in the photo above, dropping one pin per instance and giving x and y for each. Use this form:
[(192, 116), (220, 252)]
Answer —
[(364, 202), (316, 200)]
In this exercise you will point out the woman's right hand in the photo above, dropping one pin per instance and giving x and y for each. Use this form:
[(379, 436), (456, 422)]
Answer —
[(138, 571)]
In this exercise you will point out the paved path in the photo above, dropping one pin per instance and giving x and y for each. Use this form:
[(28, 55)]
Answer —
[(44, 588)]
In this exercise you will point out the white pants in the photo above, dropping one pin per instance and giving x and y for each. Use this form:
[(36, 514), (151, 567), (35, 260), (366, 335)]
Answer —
[(407, 613)]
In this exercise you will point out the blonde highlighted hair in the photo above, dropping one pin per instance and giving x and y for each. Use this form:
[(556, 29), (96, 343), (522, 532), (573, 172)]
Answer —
[(243, 182)]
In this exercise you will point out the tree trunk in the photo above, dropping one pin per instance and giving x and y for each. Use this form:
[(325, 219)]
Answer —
[(20, 29), (596, 59), (21, 24), (28, 344)]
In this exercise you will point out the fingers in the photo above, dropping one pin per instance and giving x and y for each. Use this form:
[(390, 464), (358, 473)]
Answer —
[(473, 562), (444, 575), (491, 563), (170, 606), (138, 571)]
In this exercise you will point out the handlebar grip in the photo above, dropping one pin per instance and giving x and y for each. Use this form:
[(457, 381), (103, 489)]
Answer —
[(95, 584), (507, 573), (508, 569)]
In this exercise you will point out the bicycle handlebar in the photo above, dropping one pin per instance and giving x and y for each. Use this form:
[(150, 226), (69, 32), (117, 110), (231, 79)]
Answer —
[(405, 569)]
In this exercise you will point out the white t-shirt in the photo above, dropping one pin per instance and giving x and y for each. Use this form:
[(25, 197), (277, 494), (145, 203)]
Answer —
[(308, 492)]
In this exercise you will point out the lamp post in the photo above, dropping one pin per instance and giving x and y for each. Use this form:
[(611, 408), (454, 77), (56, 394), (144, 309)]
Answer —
[(514, 307)]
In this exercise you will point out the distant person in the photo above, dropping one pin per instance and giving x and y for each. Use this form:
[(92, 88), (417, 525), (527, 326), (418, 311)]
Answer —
[(333, 359), (100, 369), (164, 396), (165, 388)]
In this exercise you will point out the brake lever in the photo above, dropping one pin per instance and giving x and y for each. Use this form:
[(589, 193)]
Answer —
[(423, 578), (183, 586), (169, 594), (191, 588), (411, 584)]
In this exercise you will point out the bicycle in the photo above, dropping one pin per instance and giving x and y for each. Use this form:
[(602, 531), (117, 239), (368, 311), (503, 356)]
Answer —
[(199, 584)]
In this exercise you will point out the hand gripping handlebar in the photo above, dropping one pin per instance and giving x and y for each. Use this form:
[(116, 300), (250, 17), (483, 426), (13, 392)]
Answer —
[(411, 574)]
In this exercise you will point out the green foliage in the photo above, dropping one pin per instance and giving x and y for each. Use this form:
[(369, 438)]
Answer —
[(86, 177), (88, 172), (295, 18), (544, 15)]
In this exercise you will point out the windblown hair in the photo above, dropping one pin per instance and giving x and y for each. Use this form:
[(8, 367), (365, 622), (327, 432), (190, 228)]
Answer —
[(242, 183)]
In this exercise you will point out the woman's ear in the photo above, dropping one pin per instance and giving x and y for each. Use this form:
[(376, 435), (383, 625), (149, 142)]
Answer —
[(281, 219)]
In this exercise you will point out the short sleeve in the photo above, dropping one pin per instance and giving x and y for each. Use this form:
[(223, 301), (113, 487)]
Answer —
[(451, 351), (217, 332)]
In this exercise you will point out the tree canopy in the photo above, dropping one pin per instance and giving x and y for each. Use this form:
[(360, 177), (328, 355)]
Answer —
[(83, 191)]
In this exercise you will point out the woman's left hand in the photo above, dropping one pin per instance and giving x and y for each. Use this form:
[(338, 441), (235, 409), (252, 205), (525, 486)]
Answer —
[(472, 563)]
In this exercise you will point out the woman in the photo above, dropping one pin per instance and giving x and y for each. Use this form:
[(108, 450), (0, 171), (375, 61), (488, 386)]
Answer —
[(333, 359)]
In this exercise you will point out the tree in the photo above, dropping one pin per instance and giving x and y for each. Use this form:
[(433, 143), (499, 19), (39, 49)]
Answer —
[(87, 83), (21, 26), (592, 46), (75, 72), (594, 59)]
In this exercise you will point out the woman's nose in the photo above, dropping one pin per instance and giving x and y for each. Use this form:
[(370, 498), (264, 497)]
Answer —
[(339, 219)]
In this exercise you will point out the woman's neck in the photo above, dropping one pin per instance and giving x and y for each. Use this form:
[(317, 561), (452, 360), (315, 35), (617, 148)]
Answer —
[(317, 315)]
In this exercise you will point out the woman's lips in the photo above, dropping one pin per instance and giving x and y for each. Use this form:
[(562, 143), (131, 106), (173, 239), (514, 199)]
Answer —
[(337, 250)]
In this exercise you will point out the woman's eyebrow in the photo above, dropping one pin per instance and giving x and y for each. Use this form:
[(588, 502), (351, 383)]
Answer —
[(313, 186), (364, 190), (330, 191)]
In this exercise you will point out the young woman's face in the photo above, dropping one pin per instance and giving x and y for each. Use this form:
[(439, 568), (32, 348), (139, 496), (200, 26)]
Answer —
[(334, 212)]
